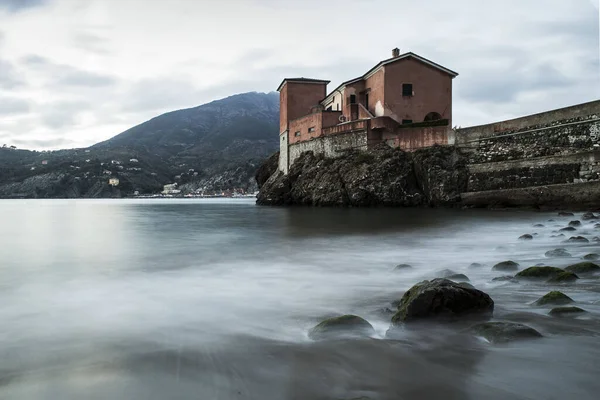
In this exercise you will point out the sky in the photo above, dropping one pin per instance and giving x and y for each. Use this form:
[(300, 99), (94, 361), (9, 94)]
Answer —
[(76, 72)]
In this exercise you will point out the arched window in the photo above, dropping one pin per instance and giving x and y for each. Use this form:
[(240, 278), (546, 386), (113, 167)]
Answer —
[(432, 116)]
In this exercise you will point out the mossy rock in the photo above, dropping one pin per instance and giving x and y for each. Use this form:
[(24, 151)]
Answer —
[(526, 236), (567, 229), (543, 272), (401, 267), (577, 239), (502, 332), (506, 278), (591, 256), (458, 278), (566, 311), (583, 268), (538, 225), (343, 326), (554, 297), (588, 215), (506, 266), (563, 277), (575, 223), (556, 253), (475, 265), (442, 298), (444, 273), (466, 285)]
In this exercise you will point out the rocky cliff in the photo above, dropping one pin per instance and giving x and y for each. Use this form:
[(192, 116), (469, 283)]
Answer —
[(379, 177)]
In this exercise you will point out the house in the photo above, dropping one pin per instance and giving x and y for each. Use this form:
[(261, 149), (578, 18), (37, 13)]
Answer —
[(44, 162), (171, 189), (404, 101), (113, 181), (133, 160)]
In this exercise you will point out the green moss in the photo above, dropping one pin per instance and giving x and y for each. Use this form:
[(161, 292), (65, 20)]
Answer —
[(561, 311), (554, 297), (405, 301), (591, 256), (539, 272), (345, 324), (583, 268), (563, 277), (501, 332), (506, 266)]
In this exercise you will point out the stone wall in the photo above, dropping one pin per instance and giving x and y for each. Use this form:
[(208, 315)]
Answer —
[(283, 152), (330, 145)]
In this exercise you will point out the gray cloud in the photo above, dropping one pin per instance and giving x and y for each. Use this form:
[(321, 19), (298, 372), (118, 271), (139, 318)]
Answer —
[(13, 106), (8, 76), (66, 75), (91, 42), (19, 5), (63, 114), (39, 143)]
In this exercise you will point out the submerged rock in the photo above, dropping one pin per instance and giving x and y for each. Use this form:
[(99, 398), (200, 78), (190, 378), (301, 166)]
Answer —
[(588, 215), (554, 298), (502, 332), (565, 214), (565, 311), (567, 229), (458, 277), (583, 268), (527, 236), (400, 267), (506, 266), (505, 278), (476, 265), (575, 223), (343, 326), (444, 273), (557, 253), (538, 225), (442, 298), (563, 277), (591, 256), (539, 272), (577, 239)]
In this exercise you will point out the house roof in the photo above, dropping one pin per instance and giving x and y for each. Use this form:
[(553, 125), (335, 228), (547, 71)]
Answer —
[(390, 61), (301, 80)]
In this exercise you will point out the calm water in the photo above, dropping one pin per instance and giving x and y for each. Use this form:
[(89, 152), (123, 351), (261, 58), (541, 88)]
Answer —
[(213, 299)]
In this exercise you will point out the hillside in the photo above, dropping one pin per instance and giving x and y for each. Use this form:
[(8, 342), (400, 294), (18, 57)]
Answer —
[(214, 147)]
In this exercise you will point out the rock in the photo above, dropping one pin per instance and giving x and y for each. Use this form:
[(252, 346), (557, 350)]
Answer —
[(527, 236), (557, 253), (476, 265), (538, 225), (567, 229), (442, 298), (505, 278), (268, 168), (563, 277), (458, 277), (596, 226), (444, 273), (506, 266), (577, 239), (596, 239), (591, 256), (575, 223), (583, 268), (565, 311), (565, 214), (588, 215), (561, 235), (343, 326), (554, 298), (551, 220), (400, 267), (502, 332), (466, 285), (539, 272)]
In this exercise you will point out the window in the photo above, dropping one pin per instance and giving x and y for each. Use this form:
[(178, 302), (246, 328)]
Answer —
[(432, 116), (352, 98), (297, 133), (406, 121), (311, 129), (329, 108), (367, 101), (407, 89)]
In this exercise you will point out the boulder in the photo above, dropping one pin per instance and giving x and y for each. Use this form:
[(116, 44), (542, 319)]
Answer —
[(544, 272), (506, 266), (502, 332), (565, 214), (458, 278), (554, 298), (591, 256), (563, 277), (343, 326), (268, 168), (596, 239), (561, 235), (505, 278), (588, 216), (475, 265), (575, 223), (538, 225), (444, 273), (401, 267), (597, 226), (583, 268), (442, 298), (466, 285), (566, 311), (526, 236), (577, 239), (567, 229), (557, 253)]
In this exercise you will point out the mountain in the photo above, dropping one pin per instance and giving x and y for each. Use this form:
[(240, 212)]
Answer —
[(214, 147)]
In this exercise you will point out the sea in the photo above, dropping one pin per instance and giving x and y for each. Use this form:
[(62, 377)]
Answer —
[(214, 299)]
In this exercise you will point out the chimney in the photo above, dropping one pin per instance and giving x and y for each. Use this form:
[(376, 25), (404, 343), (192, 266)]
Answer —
[(395, 52)]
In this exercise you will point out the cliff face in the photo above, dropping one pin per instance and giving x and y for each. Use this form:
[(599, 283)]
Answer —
[(380, 177)]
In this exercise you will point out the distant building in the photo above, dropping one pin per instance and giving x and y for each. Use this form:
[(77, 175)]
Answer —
[(113, 181), (171, 189), (45, 162), (107, 172), (134, 160)]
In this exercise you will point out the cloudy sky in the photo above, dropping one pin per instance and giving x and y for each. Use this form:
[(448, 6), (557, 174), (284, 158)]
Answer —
[(75, 72)]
